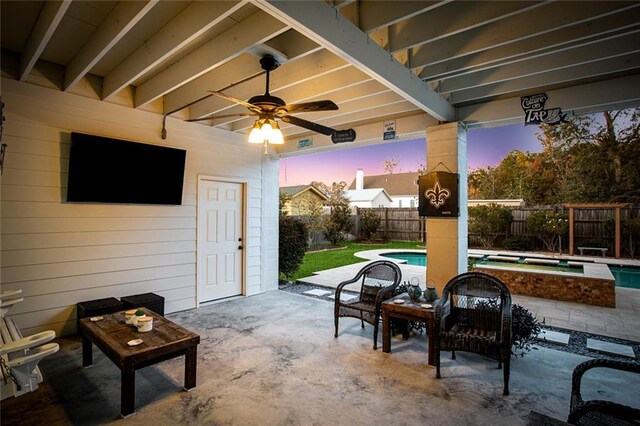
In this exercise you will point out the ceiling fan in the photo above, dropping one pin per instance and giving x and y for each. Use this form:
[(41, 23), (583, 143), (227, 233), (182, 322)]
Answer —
[(268, 108)]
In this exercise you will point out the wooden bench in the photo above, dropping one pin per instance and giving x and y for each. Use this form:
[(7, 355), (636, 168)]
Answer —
[(602, 250), (19, 372)]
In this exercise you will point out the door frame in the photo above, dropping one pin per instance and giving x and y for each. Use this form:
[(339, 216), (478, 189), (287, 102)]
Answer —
[(243, 215)]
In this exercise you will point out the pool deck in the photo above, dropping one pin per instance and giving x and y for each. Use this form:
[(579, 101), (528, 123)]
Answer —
[(619, 322)]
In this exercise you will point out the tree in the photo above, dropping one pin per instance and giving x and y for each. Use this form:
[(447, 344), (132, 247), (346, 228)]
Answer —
[(292, 245), (596, 157), (370, 223), (339, 220), (390, 165), (310, 210), (282, 202), (549, 227), (489, 221)]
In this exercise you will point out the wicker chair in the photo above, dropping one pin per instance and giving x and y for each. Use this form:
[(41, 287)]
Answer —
[(474, 315), (599, 412), (379, 280)]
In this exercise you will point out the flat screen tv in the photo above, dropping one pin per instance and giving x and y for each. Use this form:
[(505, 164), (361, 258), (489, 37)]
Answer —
[(109, 170)]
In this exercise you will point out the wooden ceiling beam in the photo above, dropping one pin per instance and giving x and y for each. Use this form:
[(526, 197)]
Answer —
[(256, 29), (558, 40), (537, 82), (617, 93), (319, 21), (50, 16), (341, 84), (122, 18), (191, 23), (289, 74), (548, 17), (374, 14), (407, 127), (595, 52), (452, 18)]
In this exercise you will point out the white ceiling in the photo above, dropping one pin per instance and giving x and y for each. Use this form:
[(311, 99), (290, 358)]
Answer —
[(418, 62)]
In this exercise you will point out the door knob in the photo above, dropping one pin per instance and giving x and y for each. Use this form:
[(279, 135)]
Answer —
[(240, 247)]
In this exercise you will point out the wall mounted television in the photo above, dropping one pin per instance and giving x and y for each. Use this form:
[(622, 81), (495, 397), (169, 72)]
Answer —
[(109, 170)]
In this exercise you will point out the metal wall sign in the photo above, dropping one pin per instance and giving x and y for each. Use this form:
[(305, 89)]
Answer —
[(341, 136), (305, 143), (438, 195), (389, 130), (534, 112)]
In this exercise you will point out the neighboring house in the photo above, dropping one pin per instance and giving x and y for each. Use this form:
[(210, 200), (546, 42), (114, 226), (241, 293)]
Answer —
[(302, 200), (402, 188), (376, 197)]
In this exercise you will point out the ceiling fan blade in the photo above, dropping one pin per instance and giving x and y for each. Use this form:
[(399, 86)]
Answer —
[(310, 107), (215, 117), (252, 107), (315, 127)]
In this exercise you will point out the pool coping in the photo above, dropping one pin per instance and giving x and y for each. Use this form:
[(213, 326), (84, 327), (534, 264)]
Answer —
[(591, 269)]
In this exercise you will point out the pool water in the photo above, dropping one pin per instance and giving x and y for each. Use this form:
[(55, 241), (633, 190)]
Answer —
[(625, 276)]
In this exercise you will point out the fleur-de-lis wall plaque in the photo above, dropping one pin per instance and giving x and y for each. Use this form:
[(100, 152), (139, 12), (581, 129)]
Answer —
[(438, 195)]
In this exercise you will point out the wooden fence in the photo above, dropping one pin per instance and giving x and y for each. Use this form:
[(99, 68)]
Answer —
[(400, 224), (591, 224)]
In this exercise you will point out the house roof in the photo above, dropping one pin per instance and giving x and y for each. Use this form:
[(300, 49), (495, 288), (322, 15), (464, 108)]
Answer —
[(366, 194), (396, 184), (469, 61), (293, 191)]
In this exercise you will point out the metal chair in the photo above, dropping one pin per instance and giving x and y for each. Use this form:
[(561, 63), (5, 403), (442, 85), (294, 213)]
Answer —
[(378, 281)]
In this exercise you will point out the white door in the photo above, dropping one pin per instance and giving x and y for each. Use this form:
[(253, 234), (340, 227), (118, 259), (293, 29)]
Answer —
[(219, 239)]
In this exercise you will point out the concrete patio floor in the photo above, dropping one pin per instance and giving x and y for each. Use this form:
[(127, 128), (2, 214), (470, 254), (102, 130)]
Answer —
[(271, 359), (621, 322)]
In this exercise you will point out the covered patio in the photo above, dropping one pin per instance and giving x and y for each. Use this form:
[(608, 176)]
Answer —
[(272, 359), (143, 71)]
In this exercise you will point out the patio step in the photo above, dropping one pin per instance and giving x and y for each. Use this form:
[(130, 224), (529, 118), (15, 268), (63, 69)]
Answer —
[(610, 348), (344, 297), (554, 337), (317, 292)]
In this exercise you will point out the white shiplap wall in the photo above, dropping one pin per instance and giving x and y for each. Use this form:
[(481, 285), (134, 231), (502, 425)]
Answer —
[(60, 254)]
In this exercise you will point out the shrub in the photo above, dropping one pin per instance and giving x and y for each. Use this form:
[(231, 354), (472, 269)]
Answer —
[(524, 329), (489, 221), (338, 223), (524, 326), (370, 224), (293, 243), (549, 227), (630, 234), (518, 243)]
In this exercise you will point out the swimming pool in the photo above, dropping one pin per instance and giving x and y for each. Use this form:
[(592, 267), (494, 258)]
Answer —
[(625, 276)]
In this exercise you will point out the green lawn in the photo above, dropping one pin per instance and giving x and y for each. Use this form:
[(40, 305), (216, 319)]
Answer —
[(321, 260)]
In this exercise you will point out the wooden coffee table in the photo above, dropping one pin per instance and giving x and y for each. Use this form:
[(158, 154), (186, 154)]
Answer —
[(167, 340), (408, 311)]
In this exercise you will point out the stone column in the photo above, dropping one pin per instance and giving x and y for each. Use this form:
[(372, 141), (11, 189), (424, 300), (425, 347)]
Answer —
[(447, 238)]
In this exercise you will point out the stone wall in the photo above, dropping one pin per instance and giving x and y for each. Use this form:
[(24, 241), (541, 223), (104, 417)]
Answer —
[(565, 287)]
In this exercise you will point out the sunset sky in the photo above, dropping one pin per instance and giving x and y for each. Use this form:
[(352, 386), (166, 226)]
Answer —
[(486, 147)]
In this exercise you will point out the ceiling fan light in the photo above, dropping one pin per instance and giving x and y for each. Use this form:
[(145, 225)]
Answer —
[(276, 137), (266, 130), (256, 136)]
